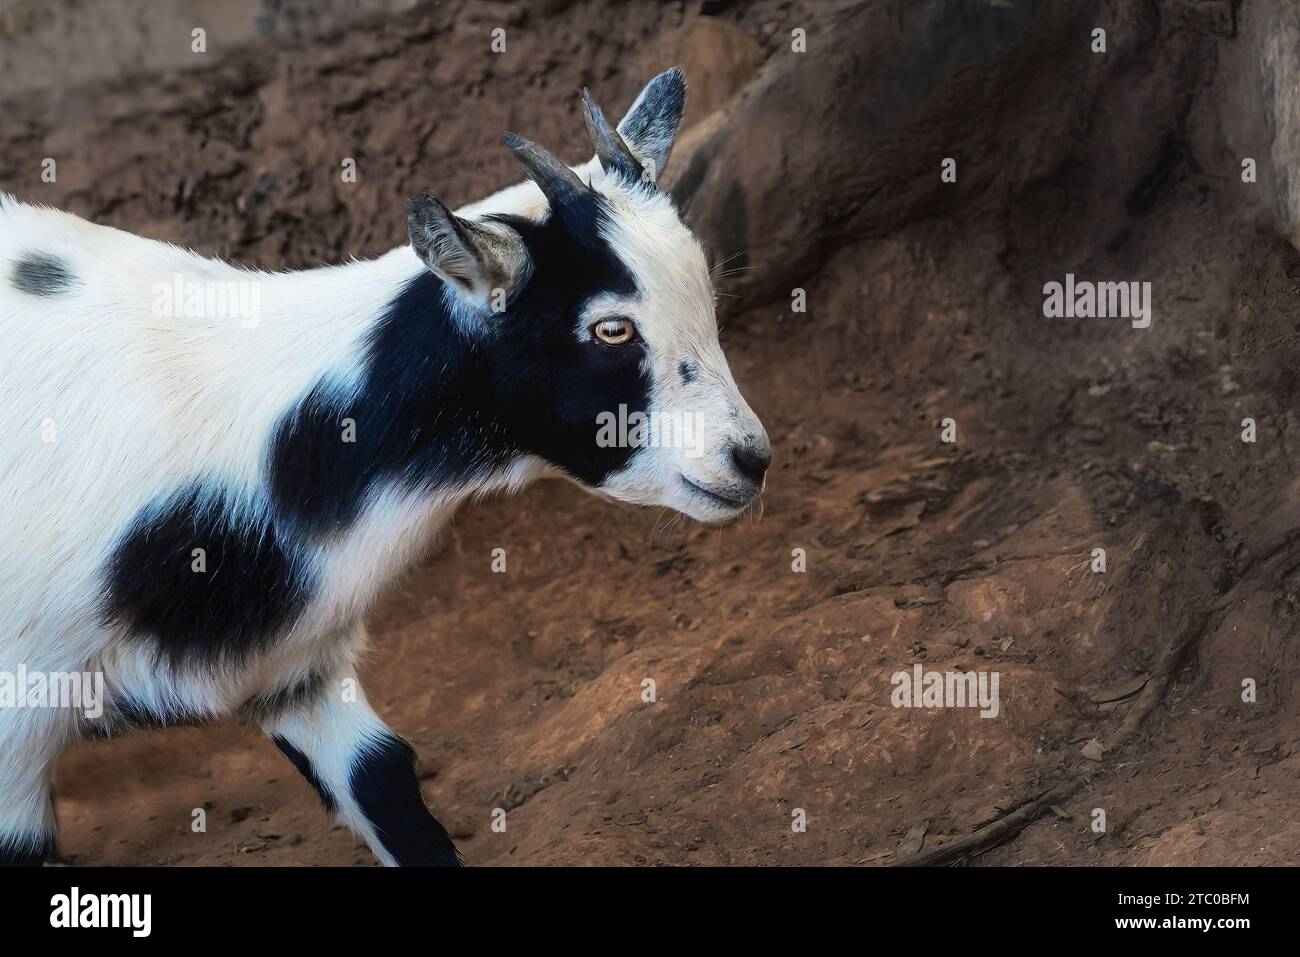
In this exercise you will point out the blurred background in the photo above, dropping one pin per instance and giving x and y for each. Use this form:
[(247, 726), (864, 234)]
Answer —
[(865, 300)]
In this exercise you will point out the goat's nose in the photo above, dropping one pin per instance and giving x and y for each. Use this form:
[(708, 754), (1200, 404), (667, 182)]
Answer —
[(752, 460)]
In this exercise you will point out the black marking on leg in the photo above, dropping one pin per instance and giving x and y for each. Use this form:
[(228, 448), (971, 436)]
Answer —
[(385, 787), (40, 274), (303, 764), (286, 697), (25, 850), (248, 589)]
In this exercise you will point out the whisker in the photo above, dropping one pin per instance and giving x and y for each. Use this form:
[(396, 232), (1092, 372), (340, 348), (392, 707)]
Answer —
[(734, 271), (722, 262), (656, 528)]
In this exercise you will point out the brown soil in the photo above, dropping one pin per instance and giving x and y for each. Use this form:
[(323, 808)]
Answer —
[(523, 690)]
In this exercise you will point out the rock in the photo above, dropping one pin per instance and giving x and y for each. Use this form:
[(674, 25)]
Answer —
[(1279, 67), (892, 87), (719, 58)]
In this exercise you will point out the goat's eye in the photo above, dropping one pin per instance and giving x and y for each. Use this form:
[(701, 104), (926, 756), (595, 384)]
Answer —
[(614, 332)]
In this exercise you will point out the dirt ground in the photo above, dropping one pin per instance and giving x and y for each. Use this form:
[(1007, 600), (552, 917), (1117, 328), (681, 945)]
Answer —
[(524, 690)]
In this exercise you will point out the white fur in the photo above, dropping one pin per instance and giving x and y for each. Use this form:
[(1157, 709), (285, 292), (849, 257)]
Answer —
[(674, 313)]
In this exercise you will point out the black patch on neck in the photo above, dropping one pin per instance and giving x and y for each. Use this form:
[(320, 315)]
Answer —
[(40, 274), (385, 787), (250, 588), (441, 406), (418, 418)]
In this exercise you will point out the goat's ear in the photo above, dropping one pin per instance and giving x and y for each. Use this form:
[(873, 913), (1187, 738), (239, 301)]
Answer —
[(486, 262), (650, 126)]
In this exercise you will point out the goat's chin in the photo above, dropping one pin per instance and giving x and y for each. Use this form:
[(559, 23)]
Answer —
[(713, 517), (694, 500), (705, 507)]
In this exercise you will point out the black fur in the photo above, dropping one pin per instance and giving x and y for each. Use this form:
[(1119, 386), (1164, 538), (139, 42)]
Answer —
[(40, 274), (413, 423), (249, 590), (122, 716), (20, 852), (303, 764), (548, 387), (286, 697), (384, 786), (440, 406)]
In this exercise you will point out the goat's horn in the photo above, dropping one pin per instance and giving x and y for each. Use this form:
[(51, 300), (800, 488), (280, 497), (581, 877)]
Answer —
[(614, 153), (559, 183)]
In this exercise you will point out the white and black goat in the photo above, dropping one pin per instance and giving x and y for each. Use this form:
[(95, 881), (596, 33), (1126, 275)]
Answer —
[(201, 511)]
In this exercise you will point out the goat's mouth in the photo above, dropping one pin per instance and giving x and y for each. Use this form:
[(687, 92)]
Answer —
[(718, 499)]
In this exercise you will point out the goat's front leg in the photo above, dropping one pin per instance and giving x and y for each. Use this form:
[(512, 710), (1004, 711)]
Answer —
[(364, 772)]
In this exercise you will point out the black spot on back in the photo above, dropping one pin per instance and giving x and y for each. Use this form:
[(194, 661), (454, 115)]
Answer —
[(686, 370), (40, 274), (384, 786), (249, 589)]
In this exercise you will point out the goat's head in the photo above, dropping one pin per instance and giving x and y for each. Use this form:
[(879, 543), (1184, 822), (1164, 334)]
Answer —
[(595, 312)]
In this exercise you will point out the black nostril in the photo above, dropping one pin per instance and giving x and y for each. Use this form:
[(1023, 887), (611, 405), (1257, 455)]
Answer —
[(751, 460)]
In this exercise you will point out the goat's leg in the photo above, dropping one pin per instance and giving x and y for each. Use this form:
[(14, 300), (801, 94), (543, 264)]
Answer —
[(363, 772), (30, 742)]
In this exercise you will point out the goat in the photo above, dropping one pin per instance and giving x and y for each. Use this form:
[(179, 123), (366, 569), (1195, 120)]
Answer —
[(201, 502)]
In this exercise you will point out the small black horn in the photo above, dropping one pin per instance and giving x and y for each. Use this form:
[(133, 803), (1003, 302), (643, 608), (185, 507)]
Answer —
[(558, 183), (614, 153)]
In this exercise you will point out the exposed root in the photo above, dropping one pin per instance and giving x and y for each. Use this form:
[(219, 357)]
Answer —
[(994, 833)]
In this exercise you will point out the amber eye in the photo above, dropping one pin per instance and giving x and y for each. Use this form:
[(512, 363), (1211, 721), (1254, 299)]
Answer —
[(614, 332)]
